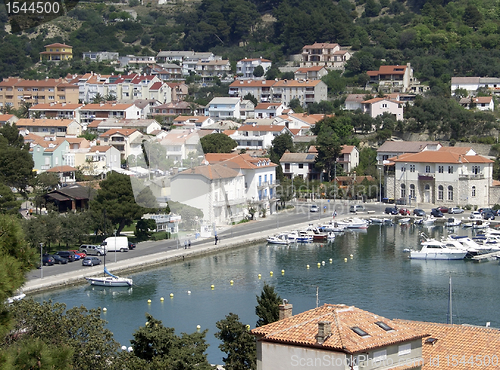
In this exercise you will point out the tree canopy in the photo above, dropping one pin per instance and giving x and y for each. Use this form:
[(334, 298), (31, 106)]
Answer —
[(217, 143), (267, 308)]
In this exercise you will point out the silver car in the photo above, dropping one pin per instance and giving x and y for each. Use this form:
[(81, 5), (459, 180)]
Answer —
[(91, 261), (455, 210)]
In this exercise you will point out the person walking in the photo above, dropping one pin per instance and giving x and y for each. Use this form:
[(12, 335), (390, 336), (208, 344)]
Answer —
[(216, 239), (189, 243), (334, 214)]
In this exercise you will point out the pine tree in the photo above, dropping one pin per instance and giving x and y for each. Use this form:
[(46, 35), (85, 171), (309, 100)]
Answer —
[(267, 306)]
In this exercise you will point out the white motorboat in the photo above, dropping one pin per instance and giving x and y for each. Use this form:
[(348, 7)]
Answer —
[(333, 227), (20, 295), (480, 224), (109, 280), (475, 216), (452, 222), (469, 244), (305, 236), (330, 235), (354, 223), (278, 239), (404, 220), (425, 221), (433, 249)]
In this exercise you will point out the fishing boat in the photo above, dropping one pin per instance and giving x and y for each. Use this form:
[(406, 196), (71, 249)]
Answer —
[(278, 239), (109, 280)]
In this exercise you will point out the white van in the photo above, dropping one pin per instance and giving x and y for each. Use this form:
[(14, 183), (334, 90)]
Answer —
[(115, 243), (356, 208)]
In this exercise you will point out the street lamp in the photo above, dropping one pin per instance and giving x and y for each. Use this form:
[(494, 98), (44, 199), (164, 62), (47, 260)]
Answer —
[(41, 260), (115, 245)]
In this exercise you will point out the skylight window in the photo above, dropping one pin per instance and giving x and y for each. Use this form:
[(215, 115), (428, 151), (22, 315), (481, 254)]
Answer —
[(384, 326), (431, 340), (359, 331)]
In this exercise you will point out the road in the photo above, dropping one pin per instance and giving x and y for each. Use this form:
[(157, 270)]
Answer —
[(290, 217)]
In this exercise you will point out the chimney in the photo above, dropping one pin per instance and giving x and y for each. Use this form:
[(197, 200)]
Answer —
[(324, 331), (285, 310)]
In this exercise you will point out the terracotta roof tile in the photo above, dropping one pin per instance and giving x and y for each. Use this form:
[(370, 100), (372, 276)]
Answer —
[(25, 122), (433, 156)]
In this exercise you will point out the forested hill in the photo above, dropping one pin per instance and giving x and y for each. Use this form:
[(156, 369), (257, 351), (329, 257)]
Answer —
[(441, 39)]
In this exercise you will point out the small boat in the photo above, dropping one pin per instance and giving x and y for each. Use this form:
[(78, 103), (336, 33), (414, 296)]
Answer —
[(354, 223), (17, 297), (330, 235), (305, 237), (452, 222), (404, 220), (480, 224), (110, 280), (317, 233), (333, 227), (425, 221), (278, 239), (433, 249)]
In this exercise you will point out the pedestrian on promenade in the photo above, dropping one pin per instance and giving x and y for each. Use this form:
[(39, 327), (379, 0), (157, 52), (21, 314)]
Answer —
[(216, 239), (189, 243), (185, 244), (334, 214)]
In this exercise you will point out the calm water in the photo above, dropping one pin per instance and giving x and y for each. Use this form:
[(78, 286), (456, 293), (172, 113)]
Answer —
[(378, 278)]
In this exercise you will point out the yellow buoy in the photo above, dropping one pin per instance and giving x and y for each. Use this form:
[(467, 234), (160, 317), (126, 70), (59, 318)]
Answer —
[(162, 299), (345, 259), (271, 273), (149, 300), (282, 272), (212, 286), (232, 282), (171, 295), (331, 260), (260, 276), (319, 265), (104, 309), (307, 266)]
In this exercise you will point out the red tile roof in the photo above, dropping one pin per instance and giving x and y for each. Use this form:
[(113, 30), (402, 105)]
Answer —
[(234, 160), (432, 156), (301, 329), (57, 45), (60, 169), (121, 131)]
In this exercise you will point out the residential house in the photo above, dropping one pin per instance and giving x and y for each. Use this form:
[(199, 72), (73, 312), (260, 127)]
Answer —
[(92, 85), (259, 175), (48, 153), (473, 84), (134, 86), (378, 106), (145, 105), (167, 71), (193, 121), (190, 63), (146, 126), (483, 103), (391, 149), (349, 158), (209, 69), (179, 91), (70, 198), (170, 56), (173, 109), (102, 111), (448, 176), (164, 222), (328, 55), (181, 145), (257, 136), (15, 92), (354, 102), (7, 119), (99, 56), (300, 165), (101, 159), (43, 127), (224, 108), (245, 67), (247, 109), (310, 73), (337, 337), (269, 110), (300, 120), (259, 89), (57, 52), (217, 190), (65, 173), (56, 111), (138, 60), (393, 78), (306, 91), (121, 139)]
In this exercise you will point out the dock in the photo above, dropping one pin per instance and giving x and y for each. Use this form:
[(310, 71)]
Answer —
[(486, 256)]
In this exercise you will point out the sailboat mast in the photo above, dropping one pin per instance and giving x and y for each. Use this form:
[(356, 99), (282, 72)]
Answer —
[(450, 306)]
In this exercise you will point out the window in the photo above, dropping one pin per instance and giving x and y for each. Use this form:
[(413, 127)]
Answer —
[(476, 170), (403, 191), (450, 192), (440, 169), (404, 349), (51, 97), (260, 180), (440, 192), (412, 190), (412, 168), (427, 169), (379, 355), (473, 191), (301, 165), (403, 169), (359, 331), (450, 169), (384, 326)]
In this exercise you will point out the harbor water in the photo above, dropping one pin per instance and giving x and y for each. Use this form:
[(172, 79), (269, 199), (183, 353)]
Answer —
[(366, 268)]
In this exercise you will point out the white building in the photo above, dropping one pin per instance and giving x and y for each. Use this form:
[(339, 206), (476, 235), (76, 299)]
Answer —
[(483, 103), (256, 136), (306, 91), (245, 67), (269, 110), (224, 108), (181, 144), (378, 106), (101, 159), (391, 149), (217, 190), (259, 89)]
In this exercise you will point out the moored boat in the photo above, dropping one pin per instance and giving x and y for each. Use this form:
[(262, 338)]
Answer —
[(109, 280), (452, 222), (278, 239), (433, 249)]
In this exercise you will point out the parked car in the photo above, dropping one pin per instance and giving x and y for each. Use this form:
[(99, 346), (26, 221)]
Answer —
[(488, 215), (47, 260), (131, 245), (443, 209), (404, 212), (78, 254), (455, 210), (436, 212), (59, 260), (70, 256), (92, 250), (91, 261), (391, 211), (356, 208), (314, 208), (482, 210), (418, 212)]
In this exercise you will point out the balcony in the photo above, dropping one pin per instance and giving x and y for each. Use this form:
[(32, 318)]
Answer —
[(472, 176), (426, 177)]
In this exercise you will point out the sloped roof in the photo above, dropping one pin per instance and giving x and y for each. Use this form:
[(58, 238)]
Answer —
[(121, 131), (356, 98), (310, 119), (404, 146), (465, 80), (298, 158), (459, 341), (270, 128), (389, 70), (61, 169), (5, 117), (211, 171), (106, 106), (58, 45), (456, 149), (310, 69), (252, 59), (252, 83), (297, 83), (58, 106), (267, 105), (43, 122), (244, 161), (100, 148), (321, 45), (346, 149), (74, 191), (301, 329), (437, 156)]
